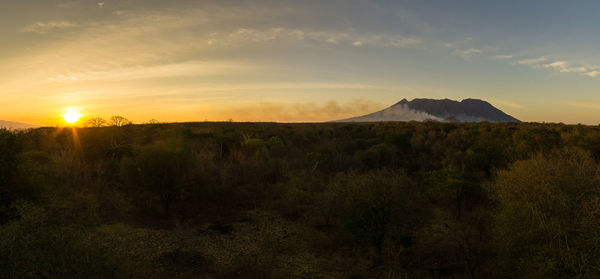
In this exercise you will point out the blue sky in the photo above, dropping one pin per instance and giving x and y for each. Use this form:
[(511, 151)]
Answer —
[(296, 60)]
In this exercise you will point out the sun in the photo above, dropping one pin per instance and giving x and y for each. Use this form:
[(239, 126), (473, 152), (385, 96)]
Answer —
[(71, 116)]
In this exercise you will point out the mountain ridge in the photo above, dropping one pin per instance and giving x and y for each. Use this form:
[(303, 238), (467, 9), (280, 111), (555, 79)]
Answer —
[(443, 110), (12, 125)]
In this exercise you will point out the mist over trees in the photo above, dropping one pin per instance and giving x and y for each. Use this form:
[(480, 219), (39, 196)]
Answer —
[(265, 200)]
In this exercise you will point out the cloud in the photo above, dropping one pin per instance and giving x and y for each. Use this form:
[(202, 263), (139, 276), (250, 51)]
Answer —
[(575, 70), (462, 48), (45, 27), (290, 86), (134, 46), (558, 65), (592, 74), (467, 53), (240, 36), (398, 41), (506, 56), (532, 61), (189, 68), (563, 67), (456, 44)]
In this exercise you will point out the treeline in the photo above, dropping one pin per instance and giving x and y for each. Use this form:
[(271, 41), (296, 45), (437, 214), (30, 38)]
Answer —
[(115, 120), (265, 200)]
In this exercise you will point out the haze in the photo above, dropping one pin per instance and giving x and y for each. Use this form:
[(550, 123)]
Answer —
[(295, 61)]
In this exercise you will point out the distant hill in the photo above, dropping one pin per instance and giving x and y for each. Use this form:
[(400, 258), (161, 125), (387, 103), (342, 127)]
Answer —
[(15, 125), (446, 110)]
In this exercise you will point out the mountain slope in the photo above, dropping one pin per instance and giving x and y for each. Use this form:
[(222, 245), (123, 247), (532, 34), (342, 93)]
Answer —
[(15, 125), (467, 110)]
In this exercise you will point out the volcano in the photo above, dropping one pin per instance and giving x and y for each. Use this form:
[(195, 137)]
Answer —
[(445, 110)]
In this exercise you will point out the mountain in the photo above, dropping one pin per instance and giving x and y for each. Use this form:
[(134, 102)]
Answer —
[(446, 110), (15, 125)]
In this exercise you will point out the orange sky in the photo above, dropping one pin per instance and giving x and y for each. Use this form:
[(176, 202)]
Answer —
[(281, 61)]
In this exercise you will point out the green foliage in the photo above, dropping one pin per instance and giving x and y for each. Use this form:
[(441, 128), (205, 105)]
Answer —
[(547, 221), (31, 247), (372, 209), (161, 172), (400, 141), (10, 148), (330, 200)]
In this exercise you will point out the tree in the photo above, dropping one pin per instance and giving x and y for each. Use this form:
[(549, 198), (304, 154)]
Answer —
[(371, 206), (547, 221), (449, 184), (96, 122), (119, 121), (164, 172), (10, 148)]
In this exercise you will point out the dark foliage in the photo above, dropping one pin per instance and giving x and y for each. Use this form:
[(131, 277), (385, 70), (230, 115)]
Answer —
[(266, 200)]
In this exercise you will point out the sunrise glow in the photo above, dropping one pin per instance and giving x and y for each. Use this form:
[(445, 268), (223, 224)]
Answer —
[(71, 116), (180, 61)]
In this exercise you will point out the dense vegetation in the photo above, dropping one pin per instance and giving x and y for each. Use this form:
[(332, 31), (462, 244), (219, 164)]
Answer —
[(261, 200)]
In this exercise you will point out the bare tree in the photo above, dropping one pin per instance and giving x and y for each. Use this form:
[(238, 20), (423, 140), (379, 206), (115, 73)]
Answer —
[(96, 122), (153, 121), (119, 121)]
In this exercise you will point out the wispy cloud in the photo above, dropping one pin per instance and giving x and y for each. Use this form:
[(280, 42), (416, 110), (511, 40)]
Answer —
[(559, 66), (574, 70), (532, 61), (464, 48), (134, 47), (290, 86), (502, 56), (563, 67), (456, 44), (190, 68), (335, 37), (466, 53), (45, 27)]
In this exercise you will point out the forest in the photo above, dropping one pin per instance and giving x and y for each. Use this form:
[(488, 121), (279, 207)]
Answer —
[(327, 200)]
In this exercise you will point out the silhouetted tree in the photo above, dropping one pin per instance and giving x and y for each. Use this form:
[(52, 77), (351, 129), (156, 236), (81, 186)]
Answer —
[(119, 121), (96, 122)]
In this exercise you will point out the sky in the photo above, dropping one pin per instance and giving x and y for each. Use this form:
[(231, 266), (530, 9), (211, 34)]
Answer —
[(295, 61)]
